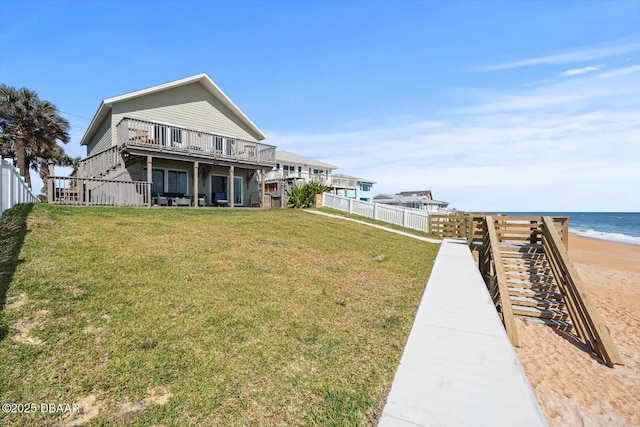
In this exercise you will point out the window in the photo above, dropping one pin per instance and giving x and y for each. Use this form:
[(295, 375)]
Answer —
[(365, 187), (177, 182), (157, 179)]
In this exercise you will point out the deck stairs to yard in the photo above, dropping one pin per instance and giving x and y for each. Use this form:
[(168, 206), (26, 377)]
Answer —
[(525, 264), (107, 164)]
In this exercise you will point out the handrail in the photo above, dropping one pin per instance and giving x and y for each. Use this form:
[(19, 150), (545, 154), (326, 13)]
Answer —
[(177, 139), (99, 163), (500, 276), (584, 316)]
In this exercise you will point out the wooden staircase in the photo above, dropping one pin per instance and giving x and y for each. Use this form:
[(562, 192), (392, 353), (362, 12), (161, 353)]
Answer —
[(526, 266), (532, 288)]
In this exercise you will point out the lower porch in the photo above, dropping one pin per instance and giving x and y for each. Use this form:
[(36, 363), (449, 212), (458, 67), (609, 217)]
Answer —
[(148, 181)]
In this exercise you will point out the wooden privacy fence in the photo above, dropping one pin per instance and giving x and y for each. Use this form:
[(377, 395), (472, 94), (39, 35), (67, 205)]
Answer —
[(13, 188), (97, 192)]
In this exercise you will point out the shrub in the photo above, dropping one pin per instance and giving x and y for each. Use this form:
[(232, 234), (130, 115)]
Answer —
[(302, 197)]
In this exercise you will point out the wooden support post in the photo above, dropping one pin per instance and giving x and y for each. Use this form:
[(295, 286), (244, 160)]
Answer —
[(195, 184), (149, 179), (505, 299), (231, 186), (263, 175)]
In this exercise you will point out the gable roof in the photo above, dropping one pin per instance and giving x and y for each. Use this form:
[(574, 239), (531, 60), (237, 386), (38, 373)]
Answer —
[(203, 79), (287, 157)]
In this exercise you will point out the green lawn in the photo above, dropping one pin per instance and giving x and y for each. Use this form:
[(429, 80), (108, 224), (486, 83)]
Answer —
[(202, 317)]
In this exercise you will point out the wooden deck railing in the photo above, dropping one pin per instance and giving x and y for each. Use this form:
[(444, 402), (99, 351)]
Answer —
[(453, 225), (164, 137), (275, 175), (492, 270), (99, 164), (584, 316), (97, 192)]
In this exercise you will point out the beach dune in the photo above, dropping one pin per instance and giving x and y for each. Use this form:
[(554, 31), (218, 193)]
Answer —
[(574, 387)]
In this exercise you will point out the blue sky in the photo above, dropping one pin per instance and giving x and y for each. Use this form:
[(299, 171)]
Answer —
[(494, 106)]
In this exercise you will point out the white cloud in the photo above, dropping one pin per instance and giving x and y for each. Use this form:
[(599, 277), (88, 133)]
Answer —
[(579, 71), (587, 53), (572, 145)]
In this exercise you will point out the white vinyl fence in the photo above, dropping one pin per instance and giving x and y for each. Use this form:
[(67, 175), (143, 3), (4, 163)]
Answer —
[(13, 188), (416, 219)]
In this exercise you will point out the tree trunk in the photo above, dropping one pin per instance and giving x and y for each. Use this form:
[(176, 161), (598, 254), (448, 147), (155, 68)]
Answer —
[(21, 154)]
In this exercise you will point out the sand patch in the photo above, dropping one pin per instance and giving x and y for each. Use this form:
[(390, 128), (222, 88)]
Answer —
[(129, 411), (73, 289), (17, 300), (158, 395), (573, 387), (24, 328), (155, 396), (89, 408)]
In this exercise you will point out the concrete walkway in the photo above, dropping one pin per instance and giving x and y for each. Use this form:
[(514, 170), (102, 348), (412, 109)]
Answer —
[(458, 367), (391, 230)]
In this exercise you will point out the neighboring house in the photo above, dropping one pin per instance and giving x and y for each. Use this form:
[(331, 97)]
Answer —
[(292, 169), (186, 138), (362, 191), (412, 199)]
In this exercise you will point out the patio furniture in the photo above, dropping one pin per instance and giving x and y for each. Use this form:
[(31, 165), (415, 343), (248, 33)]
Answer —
[(142, 137), (255, 200), (220, 200), (202, 199), (168, 199), (182, 201)]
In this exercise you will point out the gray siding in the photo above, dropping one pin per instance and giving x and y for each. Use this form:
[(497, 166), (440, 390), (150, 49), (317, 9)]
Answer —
[(102, 140), (191, 106)]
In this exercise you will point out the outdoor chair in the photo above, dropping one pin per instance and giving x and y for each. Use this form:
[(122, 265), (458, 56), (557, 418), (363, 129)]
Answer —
[(142, 137), (220, 200), (255, 200)]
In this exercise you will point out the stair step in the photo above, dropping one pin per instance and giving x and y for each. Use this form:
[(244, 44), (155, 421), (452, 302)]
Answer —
[(537, 302), (517, 259), (527, 284), (527, 256), (532, 276), (547, 313), (535, 293), (562, 325)]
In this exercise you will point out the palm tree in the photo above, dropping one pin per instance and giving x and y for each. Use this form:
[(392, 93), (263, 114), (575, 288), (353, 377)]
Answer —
[(29, 130)]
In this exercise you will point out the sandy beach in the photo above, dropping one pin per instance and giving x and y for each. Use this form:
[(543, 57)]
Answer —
[(573, 387)]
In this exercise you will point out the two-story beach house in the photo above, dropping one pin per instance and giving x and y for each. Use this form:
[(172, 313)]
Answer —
[(180, 143), (294, 170)]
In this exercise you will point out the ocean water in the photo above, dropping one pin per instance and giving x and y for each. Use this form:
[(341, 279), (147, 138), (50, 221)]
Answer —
[(621, 227)]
